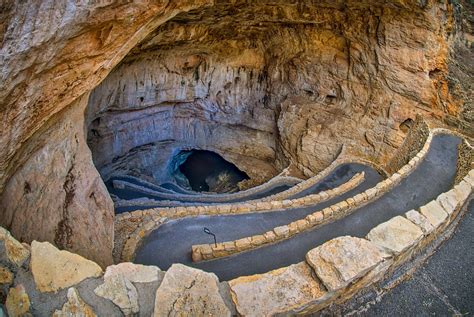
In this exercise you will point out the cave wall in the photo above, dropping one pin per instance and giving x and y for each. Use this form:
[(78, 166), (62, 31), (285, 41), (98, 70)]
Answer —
[(301, 79), (154, 105)]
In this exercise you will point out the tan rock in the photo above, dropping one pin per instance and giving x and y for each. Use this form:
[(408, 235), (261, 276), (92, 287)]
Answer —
[(121, 292), (135, 273), (6, 277), (243, 244), (75, 306), (342, 260), (448, 201), (434, 213), (15, 253), (269, 236), (282, 232), (395, 235), (276, 291), (54, 269), (463, 190), (186, 291), (419, 220), (18, 302), (258, 240)]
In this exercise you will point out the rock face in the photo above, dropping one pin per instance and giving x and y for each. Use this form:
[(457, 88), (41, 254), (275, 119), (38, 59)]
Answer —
[(263, 83), (54, 269), (185, 291)]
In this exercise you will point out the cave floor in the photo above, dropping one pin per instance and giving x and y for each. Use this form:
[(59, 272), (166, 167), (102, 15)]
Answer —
[(172, 242)]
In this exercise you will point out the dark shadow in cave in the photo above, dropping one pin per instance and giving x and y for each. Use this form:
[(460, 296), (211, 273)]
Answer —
[(208, 171)]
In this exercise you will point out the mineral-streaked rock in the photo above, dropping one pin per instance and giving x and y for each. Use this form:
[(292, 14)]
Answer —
[(121, 292), (15, 253), (340, 261), (419, 220), (275, 291), (18, 302), (135, 273), (186, 291), (75, 306), (434, 213), (395, 235), (6, 277), (54, 269)]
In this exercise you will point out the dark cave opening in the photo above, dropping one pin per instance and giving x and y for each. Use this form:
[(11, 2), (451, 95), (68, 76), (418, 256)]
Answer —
[(207, 171)]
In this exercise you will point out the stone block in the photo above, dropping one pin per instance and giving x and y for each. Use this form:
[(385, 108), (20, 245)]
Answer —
[(243, 244), (270, 236), (258, 240), (448, 201), (121, 292), (74, 306), (302, 225), (293, 227), (276, 291), (229, 246), (6, 276), (53, 269), (15, 254), (396, 235), (342, 260), (434, 213), (420, 220), (135, 273), (328, 212), (282, 232), (463, 190), (18, 302), (186, 291)]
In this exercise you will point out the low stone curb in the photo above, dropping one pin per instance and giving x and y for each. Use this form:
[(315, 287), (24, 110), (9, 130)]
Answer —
[(318, 218), (150, 221), (341, 267)]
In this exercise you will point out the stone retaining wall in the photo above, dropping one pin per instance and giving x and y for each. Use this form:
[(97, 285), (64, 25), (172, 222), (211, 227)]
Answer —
[(42, 280), (149, 221), (213, 198), (412, 144), (465, 160), (337, 269), (320, 217)]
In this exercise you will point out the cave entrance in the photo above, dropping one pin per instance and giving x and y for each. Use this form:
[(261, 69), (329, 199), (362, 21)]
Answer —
[(207, 171)]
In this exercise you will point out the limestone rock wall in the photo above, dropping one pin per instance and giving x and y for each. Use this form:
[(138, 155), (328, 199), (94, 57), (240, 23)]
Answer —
[(57, 195), (300, 79)]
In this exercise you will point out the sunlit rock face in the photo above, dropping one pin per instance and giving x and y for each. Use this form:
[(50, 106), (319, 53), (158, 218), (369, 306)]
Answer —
[(262, 83), (271, 83)]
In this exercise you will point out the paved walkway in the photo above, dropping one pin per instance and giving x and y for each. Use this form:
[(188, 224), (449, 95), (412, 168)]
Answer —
[(172, 242), (442, 286), (340, 175)]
